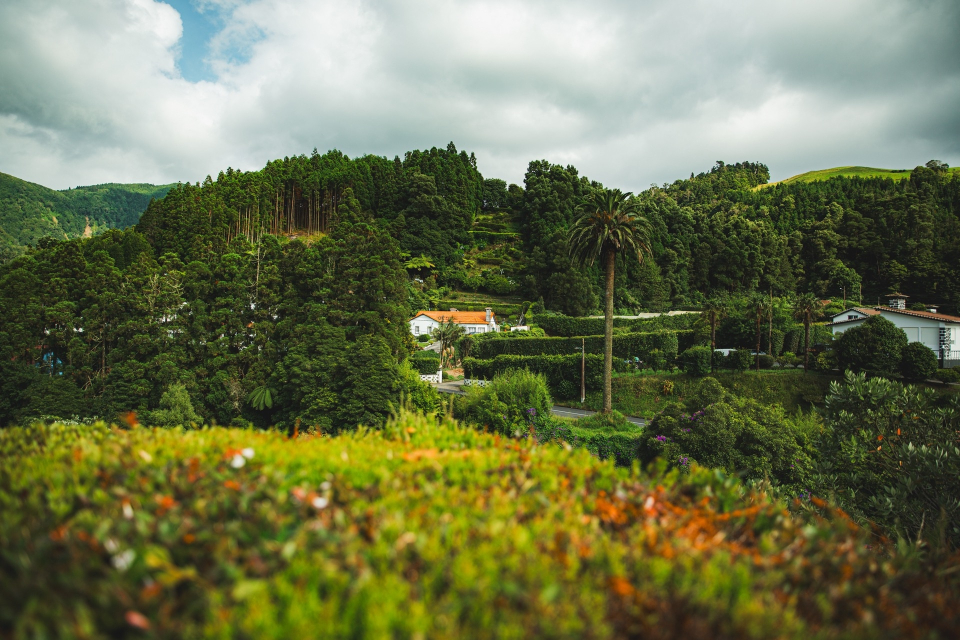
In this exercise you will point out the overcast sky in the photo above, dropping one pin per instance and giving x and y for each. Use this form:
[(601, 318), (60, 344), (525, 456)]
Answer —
[(630, 92)]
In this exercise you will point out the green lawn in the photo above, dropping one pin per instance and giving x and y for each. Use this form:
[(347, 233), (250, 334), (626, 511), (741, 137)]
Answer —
[(645, 395)]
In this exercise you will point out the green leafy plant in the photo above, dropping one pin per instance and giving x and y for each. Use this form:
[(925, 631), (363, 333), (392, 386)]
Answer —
[(261, 397), (918, 362), (696, 361)]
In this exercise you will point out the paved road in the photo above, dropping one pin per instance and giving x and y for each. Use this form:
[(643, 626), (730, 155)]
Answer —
[(456, 387)]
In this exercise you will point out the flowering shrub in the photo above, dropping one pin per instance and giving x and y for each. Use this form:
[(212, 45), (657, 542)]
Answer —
[(738, 435), (424, 529)]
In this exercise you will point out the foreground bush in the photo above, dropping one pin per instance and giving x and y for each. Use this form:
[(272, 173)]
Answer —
[(891, 456), (422, 530), (740, 435)]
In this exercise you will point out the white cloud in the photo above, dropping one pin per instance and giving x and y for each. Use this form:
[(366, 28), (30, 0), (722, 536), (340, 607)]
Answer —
[(631, 93)]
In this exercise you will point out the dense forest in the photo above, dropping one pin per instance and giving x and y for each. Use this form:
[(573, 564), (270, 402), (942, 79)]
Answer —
[(282, 294), (29, 212), (724, 232)]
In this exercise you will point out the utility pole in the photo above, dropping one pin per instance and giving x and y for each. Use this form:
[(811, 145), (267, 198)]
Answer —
[(583, 369)]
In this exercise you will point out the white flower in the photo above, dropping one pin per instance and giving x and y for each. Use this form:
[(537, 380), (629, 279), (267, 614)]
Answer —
[(238, 461), (127, 511), (247, 453), (111, 545), (320, 502), (122, 561)]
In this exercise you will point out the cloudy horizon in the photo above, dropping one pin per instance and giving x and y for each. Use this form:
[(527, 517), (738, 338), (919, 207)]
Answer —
[(631, 93)]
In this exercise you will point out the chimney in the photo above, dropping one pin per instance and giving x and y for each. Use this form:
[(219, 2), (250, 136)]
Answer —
[(489, 315), (452, 310), (932, 309), (897, 301)]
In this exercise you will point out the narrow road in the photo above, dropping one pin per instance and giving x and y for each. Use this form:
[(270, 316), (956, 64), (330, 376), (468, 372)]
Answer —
[(456, 388)]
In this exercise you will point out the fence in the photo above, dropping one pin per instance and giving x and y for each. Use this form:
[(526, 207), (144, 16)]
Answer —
[(433, 378), (949, 358)]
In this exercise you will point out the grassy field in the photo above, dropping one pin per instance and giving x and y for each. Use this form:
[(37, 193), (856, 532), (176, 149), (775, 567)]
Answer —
[(861, 172), (424, 530), (645, 395)]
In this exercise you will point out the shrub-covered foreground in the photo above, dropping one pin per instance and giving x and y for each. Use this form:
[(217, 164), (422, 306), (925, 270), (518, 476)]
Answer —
[(422, 530)]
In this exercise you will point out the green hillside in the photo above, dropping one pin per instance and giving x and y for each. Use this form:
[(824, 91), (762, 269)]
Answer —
[(847, 172), (31, 211)]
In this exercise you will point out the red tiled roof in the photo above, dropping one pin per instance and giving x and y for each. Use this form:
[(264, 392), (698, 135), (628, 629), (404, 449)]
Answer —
[(867, 311), (878, 310), (922, 314), (459, 317)]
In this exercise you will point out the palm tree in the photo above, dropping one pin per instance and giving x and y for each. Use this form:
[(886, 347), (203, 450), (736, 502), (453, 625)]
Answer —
[(758, 308), (714, 310), (609, 224), (446, 334), (807, 307)]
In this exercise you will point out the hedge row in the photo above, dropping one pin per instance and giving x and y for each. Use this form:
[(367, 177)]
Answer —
[(625, 345), (424, 530), (567, 326), (562, 372), (426, 362)]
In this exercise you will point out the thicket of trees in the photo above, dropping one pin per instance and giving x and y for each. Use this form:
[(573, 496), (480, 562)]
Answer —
[(720, 232), (104, 326), (294, 282)]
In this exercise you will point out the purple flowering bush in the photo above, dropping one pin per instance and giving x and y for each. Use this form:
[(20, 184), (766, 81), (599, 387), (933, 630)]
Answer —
[(741, 436)]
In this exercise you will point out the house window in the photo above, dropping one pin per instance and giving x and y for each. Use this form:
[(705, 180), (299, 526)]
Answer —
[(416, 329), (851, 317)]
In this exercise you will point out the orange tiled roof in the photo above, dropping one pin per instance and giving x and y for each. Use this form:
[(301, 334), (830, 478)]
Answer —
[(877, 310), (459, 317), (921, 314)]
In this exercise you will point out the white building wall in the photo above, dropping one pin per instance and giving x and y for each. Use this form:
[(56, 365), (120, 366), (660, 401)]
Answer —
[(923, 330), (424, 325)]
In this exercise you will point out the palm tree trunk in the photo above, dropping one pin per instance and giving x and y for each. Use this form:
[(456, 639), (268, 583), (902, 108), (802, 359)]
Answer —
[(609, 258), (806, 344)]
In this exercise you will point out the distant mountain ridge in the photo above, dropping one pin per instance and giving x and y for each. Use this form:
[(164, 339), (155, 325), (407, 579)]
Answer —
[(29, 211)]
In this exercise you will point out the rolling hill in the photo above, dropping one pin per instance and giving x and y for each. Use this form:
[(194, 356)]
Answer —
[(31, 211), (847, 172)]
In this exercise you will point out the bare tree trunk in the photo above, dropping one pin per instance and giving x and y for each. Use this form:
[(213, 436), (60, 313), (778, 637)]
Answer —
[(609, 258), (770, 329)]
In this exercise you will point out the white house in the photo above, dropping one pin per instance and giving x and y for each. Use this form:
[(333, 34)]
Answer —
[(472, 321), (938, 331)]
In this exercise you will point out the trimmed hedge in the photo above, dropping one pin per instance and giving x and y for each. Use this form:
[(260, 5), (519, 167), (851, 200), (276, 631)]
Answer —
[(625, 345), (566, 326), (562, 372), (426, 362), (696, 361)]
